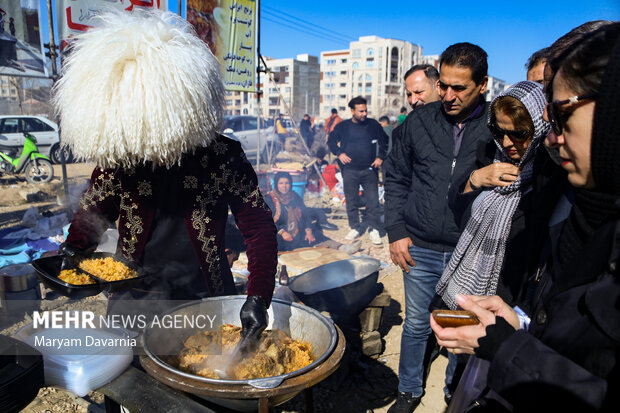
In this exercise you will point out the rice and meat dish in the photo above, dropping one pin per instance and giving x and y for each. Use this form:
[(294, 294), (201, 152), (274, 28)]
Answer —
[(75, 278), (107, 269), (276, 354)]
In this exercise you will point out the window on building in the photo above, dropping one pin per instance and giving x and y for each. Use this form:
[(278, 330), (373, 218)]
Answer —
[(342, 108), (359, 89), (343, 72), (343, 60), (237, 102), (368, 78), (228, 93), (273, 101), (273, 90), (370, 52), (394, 65), (287, 89), (370, 63), (368, 89), (331, 62), (228, 102), (343, 85), (356, 53), (245, 111), (356, 65), (342, 96)]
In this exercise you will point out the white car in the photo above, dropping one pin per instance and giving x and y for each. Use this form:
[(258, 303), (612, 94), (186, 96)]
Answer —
[(242, 128), (12, 130)]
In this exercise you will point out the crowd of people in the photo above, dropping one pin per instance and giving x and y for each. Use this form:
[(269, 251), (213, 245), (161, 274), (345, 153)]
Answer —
[(508, 209)]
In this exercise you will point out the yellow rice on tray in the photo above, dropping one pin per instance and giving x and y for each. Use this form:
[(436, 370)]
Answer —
[(75, 278), (107, 269)]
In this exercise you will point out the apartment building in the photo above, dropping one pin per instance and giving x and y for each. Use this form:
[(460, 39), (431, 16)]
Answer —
[(291, 87), (495, 86), (372, 67), (7, 88)]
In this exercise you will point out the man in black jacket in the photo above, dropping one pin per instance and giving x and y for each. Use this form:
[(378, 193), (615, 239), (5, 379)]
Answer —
[(436, 151), (354, 142)]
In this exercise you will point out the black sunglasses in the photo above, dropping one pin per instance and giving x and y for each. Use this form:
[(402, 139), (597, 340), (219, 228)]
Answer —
[(557, 119), (514, 135)]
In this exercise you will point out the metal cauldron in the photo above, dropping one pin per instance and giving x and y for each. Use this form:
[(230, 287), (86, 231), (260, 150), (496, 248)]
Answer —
[(298, 321), (344, 288)]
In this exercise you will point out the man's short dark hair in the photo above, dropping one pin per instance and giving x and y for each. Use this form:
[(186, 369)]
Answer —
[(403, 110), (358, 100), (537, 58), (334, 111), (430, 72), (384, 119), (466, 55)]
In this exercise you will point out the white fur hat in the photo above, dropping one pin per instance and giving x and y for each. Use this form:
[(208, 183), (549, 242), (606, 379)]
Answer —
[(139, 87)]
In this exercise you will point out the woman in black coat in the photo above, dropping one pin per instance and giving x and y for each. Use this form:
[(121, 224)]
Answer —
[(565, 358)]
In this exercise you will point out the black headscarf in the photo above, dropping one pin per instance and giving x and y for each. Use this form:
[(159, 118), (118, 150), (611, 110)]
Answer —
[(595, 207)]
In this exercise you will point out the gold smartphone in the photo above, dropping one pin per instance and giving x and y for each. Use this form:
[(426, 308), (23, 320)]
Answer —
[(455, 318)]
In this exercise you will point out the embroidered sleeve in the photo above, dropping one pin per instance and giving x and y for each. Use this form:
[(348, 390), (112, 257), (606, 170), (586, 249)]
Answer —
[(254, 220), (99, 207)]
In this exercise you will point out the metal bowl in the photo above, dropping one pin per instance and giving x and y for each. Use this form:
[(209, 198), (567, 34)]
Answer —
[(298, 321), (344, 288)]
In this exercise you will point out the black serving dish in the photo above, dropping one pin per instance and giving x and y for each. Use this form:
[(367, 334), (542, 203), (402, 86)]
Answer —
[(21, 374), (48, 269)]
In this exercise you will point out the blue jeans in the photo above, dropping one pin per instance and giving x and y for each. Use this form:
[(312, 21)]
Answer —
[(419, 290)]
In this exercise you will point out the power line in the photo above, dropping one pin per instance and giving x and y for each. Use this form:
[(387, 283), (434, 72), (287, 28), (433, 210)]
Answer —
[(305, 27), (273, 10), (318, 35)]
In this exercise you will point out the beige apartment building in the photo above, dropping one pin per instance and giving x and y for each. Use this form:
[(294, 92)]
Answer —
[(372, 67), (291, 88)]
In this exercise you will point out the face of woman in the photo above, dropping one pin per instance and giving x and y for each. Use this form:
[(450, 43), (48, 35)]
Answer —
[(284, 185), (574, 143), (515, 148)]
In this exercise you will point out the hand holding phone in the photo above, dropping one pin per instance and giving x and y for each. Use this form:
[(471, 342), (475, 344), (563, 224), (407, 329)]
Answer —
[(455, 318)]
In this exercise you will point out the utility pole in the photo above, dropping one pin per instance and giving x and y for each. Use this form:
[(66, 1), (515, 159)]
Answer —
[(53, 55)]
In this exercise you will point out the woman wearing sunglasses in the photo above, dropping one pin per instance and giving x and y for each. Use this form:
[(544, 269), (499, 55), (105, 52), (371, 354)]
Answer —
[(503, 199), (566, 357)]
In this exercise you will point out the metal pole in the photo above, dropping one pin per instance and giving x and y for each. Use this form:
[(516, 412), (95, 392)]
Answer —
[(180, 8), (258, 123), (63, 164)]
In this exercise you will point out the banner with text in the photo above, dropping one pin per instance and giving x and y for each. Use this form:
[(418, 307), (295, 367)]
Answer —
[(21, 50), (229, 28), (76, 16)]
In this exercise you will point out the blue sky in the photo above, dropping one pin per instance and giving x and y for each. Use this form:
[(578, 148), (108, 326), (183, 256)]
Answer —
[(509, 31)]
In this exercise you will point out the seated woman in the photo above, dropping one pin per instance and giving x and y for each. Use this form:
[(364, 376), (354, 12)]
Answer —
[(565, 359), (501, 197), (291, 219)]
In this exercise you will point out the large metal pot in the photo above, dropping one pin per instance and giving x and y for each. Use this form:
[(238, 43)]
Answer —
[(298, 321), (344, 288)]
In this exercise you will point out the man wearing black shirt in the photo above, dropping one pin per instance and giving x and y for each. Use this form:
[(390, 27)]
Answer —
[(354, 142)]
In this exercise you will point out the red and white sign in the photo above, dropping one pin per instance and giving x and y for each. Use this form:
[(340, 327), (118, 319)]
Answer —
[(76, 16)]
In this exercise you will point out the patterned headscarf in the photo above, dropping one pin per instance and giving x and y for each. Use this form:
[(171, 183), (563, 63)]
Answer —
[(477, 260)]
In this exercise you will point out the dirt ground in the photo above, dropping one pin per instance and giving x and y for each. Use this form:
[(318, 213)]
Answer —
[(362, 384)]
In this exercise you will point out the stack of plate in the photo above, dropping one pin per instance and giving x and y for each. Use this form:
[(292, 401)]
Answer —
[(21, 374)]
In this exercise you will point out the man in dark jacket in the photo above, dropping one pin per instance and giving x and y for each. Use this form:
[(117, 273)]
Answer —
[(355, 142), (437, 150)]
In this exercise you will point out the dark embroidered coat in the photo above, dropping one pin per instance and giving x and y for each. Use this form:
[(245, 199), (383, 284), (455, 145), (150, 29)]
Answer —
[(213, 179)]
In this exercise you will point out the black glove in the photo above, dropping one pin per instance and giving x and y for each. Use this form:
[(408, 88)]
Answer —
[(70, 256), (253, 321)]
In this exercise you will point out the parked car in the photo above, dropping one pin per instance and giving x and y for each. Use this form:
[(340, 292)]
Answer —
[(243, 128), (12, 130)]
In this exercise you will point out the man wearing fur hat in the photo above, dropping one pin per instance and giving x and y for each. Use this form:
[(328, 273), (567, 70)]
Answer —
[(142, 97)]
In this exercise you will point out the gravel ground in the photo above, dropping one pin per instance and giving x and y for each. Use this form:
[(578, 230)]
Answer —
[(362, 384)]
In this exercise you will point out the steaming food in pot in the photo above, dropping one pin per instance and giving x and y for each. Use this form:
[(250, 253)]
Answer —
[(276, 354)]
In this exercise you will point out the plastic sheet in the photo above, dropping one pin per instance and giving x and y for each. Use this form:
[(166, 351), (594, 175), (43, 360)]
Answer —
[(83, 368)]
